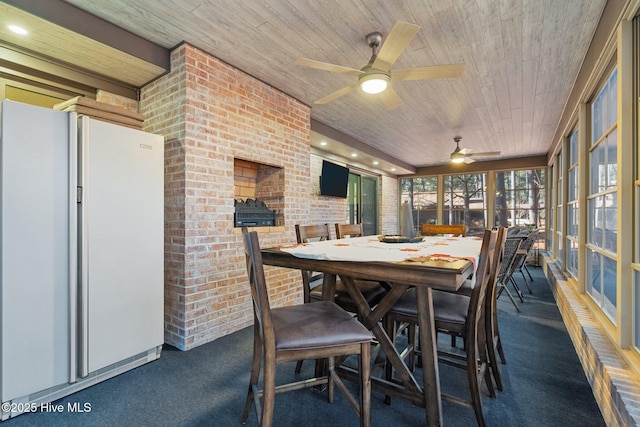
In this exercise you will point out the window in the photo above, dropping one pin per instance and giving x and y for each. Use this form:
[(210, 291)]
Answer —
[(520, 198), (602, 200), (559, 209), (422, 195), (572, 207), (465, 201)]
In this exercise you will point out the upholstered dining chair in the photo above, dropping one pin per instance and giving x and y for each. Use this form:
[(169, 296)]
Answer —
[(372, 291), (495, 288), (440, 229), (459, 315), (318, 330)]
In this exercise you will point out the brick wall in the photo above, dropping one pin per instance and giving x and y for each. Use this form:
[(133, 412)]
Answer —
[(389, 205), (211, 114), (614, 382), (245, 178), (324, 210), (331, 210)]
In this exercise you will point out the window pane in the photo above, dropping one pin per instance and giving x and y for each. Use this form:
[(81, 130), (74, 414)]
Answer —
[(613, 98), (572, 257), (593, 286), (572, 220), (609, 286), (559, 219), (573, 185), (519, 197), (637, 310), (422, 195), (610, 225), (464, 201), (595, 221), (560, 247), (598, 169), (573, 148), (598, 109), (612, 160), (637, 239)]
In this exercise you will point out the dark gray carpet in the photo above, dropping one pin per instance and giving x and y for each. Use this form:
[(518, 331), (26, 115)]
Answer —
[(206, 386)]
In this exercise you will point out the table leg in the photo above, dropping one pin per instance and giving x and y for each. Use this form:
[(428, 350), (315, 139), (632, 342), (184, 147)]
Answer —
[(429, 354)]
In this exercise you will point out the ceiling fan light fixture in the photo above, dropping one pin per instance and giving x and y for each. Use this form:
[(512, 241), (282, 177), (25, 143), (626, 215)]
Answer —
[(373, 83), (457, 157)]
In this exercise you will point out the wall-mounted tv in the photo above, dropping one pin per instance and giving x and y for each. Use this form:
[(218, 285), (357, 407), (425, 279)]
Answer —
[(334, 180)]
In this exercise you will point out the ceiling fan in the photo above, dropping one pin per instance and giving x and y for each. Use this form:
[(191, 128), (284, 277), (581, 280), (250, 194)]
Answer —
[(465, 155), (374, 78)]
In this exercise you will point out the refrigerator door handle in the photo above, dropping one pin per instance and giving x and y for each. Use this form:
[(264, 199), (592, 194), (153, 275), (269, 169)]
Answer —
[(83, 339), (73, 249)]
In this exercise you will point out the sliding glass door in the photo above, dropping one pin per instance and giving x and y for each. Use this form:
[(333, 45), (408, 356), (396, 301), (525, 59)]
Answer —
[(362, 202)]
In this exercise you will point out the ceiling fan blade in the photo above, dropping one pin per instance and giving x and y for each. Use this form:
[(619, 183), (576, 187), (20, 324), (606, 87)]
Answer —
[(390, 98), (468, 160), (485, 154), (311, 63), (465, 151), (336, 94), (396, 42), (432, 72)]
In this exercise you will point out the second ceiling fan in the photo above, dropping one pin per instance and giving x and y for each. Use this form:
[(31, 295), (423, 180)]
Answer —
[(375, 77), (463, 155)]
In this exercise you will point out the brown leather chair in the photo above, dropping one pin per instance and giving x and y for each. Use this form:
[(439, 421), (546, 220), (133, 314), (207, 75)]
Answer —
[(318, 330), (460, 315), (372, 291), (440, 229), (504, 270)]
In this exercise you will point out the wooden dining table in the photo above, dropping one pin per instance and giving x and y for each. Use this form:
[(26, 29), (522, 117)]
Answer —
[(434, 263)]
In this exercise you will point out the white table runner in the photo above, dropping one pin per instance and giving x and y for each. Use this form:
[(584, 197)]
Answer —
[(371, 249)]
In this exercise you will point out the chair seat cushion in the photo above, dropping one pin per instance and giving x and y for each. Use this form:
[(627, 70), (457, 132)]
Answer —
[(317, 324), (372, 292), (449, 308)]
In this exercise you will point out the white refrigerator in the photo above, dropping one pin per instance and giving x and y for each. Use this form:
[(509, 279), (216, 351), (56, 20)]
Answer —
[(81, 230)]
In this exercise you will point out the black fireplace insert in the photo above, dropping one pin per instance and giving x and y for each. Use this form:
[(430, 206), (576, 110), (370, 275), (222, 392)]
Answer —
[(253, 213)]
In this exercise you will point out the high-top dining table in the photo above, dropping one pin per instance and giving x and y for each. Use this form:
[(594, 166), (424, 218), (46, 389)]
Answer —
[(432, 263)]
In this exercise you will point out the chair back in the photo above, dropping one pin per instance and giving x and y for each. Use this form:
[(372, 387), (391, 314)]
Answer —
[(511, 246), (438, 229), (478, 294), (258, 283), (528, 241), (497, 258), (351, 230), (308, 233)]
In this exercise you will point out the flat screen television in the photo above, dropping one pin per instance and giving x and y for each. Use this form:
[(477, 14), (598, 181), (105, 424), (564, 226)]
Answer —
[(334, 180)]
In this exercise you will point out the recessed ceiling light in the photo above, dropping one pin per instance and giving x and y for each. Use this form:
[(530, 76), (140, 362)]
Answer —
[(18, 30), (393, 169), (375, 162), (323, 143), (354, 154)]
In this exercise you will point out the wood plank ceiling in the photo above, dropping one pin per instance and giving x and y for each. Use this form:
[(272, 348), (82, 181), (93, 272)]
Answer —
[(521, 56)]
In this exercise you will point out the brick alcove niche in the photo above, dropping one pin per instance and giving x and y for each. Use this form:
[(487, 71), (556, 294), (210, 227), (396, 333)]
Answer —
[(262, 182)]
